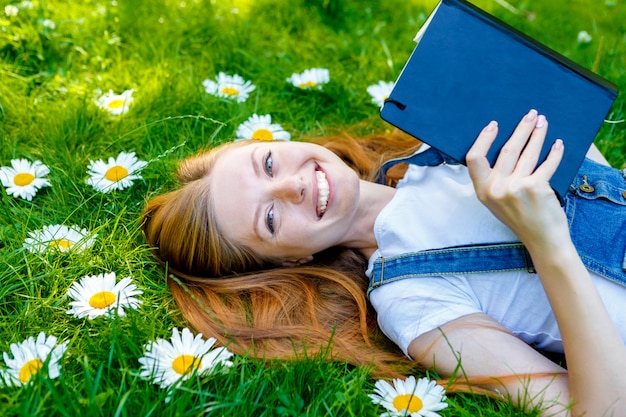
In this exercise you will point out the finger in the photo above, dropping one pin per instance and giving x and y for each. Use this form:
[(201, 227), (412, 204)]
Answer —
[(548, 167), (510, 152), (476, 158), (483, 142), (530, 154)]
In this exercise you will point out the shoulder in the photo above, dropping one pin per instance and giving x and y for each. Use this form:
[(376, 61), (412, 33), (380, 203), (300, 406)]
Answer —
[(411, 307)]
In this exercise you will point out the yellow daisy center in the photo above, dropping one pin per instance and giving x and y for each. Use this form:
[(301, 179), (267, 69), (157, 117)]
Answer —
[(262, 134), (29, 369), (102, 299), (23, 178), (308, 84), (116, 173), (230, 91), (184, 363), (408, 402), (116, 104), (61, 244)]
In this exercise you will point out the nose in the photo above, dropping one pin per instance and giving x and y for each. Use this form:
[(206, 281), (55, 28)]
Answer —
[(289, 189)]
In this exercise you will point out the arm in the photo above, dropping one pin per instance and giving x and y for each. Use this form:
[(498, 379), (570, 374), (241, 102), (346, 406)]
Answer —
[(479, 349), (520, 196)]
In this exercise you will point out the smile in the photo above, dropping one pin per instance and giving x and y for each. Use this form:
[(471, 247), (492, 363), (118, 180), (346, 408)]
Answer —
[(324, 192)]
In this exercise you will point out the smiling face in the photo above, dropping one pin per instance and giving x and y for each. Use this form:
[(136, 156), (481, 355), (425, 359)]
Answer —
[(283, 200)]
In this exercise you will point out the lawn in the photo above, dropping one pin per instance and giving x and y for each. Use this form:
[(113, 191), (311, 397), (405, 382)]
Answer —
[(58, 58)]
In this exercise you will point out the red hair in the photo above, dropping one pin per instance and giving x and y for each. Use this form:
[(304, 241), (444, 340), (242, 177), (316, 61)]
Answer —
[(228, 292)]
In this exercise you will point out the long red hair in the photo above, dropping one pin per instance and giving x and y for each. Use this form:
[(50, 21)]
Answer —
[(228, 292)]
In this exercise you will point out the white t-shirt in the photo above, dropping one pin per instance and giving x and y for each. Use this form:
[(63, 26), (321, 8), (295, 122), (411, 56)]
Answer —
[(436, 207)]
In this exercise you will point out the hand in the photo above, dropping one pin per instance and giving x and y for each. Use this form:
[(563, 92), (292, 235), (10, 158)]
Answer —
[(520, 196), (515, 192)]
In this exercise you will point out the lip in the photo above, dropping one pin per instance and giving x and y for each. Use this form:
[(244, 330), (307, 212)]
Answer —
[(316, 191)]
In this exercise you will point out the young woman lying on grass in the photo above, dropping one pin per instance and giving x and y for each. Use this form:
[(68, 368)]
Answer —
[(268, 245)]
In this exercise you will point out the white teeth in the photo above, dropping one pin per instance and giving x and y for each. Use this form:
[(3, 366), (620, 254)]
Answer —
[(324, 191)]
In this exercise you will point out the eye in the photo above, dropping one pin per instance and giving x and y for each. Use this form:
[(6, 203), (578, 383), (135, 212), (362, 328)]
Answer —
[(268, 164), (269, 221)]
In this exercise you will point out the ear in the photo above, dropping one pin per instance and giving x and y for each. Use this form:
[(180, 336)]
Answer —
[(296, 262)]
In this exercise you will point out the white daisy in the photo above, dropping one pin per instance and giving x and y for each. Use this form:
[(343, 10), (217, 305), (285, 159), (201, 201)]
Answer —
[(167, 362), (380, 92), (311, 78), (408, 398), (117, 174), (23, 179), (584, 37), (11, 10), (47, 23), (97, 295), (59, 237), (30, 356), (261, 128), (229, 86), (116, 104)]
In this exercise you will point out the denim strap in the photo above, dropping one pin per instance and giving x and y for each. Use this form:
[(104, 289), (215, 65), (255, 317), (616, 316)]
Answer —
[(597, 200), (506, 256), (429, 157), (471, 259)]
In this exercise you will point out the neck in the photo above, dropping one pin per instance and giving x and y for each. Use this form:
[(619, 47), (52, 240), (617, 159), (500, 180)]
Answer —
[(373, 198)]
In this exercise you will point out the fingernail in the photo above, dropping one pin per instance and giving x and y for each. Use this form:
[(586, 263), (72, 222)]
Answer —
[(491, 126), (541, 121), (558, 145), (531, 115)]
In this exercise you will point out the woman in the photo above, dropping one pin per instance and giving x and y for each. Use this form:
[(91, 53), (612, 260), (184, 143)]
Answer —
[(265, 267)]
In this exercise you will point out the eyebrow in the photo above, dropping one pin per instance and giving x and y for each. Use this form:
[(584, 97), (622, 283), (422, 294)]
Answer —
[(253, 160), (257, 211)]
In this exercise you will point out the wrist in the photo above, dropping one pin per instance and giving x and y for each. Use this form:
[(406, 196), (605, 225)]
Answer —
[(556, 244), (554, 254)]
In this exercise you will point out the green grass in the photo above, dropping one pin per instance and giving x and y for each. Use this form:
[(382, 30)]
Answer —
[(164, 49)]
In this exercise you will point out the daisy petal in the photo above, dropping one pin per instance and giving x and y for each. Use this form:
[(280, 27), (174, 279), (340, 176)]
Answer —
[(31, 357), (312, 78), (116, 104), (229, 86), (60, 238), (99, 295), (261, 128), (116, 174), (380, 92), (422, 398), (23, 179), (167, 362)]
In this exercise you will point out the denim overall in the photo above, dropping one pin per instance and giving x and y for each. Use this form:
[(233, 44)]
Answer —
[(595, 205)]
